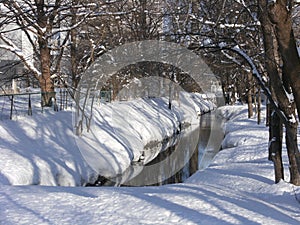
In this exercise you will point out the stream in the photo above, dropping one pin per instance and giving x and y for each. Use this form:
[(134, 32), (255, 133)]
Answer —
[(193, 149)]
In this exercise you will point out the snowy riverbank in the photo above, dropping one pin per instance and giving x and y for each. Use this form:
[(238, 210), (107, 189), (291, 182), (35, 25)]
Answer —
[(237, 188), (43, 150)]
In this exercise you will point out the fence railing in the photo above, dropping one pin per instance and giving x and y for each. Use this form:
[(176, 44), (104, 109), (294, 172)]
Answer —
[(26, 103)]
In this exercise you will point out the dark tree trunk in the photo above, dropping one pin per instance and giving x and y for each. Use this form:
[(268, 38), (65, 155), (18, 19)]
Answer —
[(275, 147), (280, 15), (258, 106), (293, 153), (141, 21), (277, 15), (275, 124), (249, 95), (268, 114), (73, 52)]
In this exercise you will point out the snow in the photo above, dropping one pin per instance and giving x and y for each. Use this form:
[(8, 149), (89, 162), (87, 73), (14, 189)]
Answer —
[(48, 152), (237, 188)]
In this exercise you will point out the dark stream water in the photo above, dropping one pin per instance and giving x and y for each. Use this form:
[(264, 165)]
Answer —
[(193, 149)]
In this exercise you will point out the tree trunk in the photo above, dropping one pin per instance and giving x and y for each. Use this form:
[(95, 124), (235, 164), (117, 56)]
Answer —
[(258, 106), (293, 153), (142, 20), (73, 51), (280, 15), (46, 83), (249, 95), (275, 124), (277, 15), (275, 146), (268, 114)]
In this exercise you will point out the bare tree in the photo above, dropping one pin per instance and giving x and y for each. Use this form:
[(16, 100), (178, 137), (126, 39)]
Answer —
[(46, 25), (247, 23)]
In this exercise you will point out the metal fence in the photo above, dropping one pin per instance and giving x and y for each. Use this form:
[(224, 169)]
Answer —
[(29, 103)]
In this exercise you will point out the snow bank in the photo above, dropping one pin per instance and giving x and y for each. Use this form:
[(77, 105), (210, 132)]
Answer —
[(41, 150), (239, 130), (44, 150), (245, 146), (237, 188)]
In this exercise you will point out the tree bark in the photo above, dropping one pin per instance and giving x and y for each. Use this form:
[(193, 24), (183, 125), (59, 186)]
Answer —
[(46, 83), (277, 15), (293, 153), (275, 146), (280, 16), (249, 95), (73, 51), (258, 106)]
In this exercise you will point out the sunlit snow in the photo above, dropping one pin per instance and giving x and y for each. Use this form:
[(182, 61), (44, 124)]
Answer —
[(237, 188)]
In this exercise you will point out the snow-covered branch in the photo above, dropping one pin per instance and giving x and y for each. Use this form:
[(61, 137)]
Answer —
[(10, 46), (260, 79)]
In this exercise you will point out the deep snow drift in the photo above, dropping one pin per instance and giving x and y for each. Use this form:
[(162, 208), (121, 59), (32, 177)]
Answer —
[(237, 188), (43, 149)]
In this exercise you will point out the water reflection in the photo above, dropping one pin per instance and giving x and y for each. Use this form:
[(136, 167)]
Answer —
[(194, 150), (173, 164), (210, 139), (191, 150)]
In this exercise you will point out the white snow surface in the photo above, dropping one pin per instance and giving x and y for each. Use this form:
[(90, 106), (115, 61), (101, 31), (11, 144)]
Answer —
[(43, 150), (237, 188)]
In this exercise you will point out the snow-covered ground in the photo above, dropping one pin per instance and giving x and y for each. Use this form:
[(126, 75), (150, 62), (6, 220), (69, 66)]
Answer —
[(43, 149), (237, 188)]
